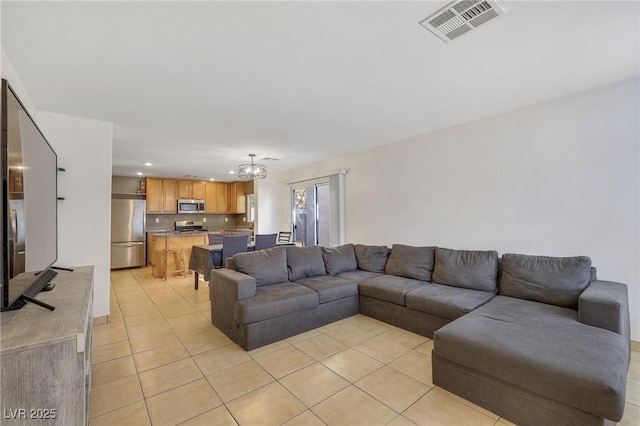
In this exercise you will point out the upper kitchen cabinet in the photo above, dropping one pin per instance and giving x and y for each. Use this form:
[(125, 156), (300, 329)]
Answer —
[(162, 195), (154, 195), (216, 197), (191, 190), (222, 197), (198, 190), (248, 187), (237, 197), (184, 189), (170, 193)]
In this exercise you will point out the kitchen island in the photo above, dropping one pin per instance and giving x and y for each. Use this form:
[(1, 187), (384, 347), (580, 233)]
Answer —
[(158, 241)]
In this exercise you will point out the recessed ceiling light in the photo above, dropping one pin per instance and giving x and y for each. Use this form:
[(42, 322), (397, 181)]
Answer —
[(232, 172), (139, 173), (212, 179), (147, 164)]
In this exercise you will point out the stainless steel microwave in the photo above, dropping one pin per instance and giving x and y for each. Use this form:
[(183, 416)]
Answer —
[(190, 206)]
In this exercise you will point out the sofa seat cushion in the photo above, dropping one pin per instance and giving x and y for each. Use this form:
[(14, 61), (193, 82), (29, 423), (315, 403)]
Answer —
[(330, 288), (541, 348), (389, 288), (358, 275), (275, 300), (445, 301)]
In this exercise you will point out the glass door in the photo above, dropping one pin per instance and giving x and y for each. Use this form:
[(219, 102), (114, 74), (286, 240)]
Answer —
[(311, 215)]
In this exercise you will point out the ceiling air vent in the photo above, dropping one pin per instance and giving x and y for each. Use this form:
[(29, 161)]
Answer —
[(460, 17)]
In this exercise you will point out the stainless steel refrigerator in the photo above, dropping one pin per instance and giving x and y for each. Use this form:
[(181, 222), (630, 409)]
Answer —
[(128, 243)]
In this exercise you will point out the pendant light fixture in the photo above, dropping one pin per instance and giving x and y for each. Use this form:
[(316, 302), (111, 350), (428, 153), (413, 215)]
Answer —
[(252, 171)]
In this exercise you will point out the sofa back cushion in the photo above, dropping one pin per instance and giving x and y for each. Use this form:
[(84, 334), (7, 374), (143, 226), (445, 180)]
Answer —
[(371, 258), (410, 262), (266, 266), (473, 269), (303, 262), (552, 280), (339, 259)]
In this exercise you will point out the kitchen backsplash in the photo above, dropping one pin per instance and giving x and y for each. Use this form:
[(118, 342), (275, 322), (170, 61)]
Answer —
[(213, 221)]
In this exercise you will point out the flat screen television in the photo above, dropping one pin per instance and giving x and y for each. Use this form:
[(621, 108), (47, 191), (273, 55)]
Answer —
[(29, 213)]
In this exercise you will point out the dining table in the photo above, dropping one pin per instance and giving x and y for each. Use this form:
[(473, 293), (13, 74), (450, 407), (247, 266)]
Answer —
[(204, 258)]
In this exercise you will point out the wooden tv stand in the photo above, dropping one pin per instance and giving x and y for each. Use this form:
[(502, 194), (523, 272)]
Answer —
[(45, 356)]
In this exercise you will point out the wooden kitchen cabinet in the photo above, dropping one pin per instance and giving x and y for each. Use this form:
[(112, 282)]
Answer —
[(222, 197), (249, 187), (184, 189), (197, 190), (162, 195), (237, 197), (170, 194), (232, 201), (191, 190), (210, 202), (216, 197), (154, 195), (151, 252)]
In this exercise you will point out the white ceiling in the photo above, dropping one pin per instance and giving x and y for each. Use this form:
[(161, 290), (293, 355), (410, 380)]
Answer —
[(194, 87)]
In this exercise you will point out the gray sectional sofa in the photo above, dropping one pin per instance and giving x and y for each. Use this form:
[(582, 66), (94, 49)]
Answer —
[(535, 339)]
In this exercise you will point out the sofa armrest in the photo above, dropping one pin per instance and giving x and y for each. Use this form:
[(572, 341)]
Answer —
[(233, 284), (226, 287), (605, 304)]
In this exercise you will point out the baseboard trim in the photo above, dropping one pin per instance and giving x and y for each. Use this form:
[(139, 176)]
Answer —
[(101, 320), (635, 346)]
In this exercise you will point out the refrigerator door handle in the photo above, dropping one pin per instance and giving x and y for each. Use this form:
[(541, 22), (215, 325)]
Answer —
[(14, 226), (130, 244)]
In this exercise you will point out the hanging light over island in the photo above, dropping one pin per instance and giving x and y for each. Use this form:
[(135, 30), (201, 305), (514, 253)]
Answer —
[(252, 171)]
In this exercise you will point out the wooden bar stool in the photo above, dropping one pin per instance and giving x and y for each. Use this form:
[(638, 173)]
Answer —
[(167, 252)]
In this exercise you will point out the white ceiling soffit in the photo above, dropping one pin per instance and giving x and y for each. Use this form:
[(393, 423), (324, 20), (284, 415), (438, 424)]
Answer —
[(461, 17)]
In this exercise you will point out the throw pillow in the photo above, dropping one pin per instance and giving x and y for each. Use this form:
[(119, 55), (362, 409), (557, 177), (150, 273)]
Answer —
[(266, 266), (410, 262), (553, 280), (339, 259), (472, 269), (371, 258), (303, 262)]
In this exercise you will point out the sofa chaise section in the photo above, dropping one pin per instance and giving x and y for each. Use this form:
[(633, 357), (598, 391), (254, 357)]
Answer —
[(526, 355)]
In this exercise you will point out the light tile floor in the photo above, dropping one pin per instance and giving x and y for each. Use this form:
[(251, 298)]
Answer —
[(160, 361)]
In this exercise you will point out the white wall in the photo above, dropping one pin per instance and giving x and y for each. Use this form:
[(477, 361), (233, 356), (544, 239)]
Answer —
[(84, 149), (273, 213), (560, 179)]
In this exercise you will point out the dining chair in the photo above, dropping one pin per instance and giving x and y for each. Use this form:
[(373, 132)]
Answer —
[(265, 241), (284, 236), (232, 245), (214, 239)]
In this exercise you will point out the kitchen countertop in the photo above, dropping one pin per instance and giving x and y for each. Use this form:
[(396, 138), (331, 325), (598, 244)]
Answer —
[(176, 233), (170, 233)]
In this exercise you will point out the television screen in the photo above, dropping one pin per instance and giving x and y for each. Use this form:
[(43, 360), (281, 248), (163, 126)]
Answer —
[(29, 211)]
